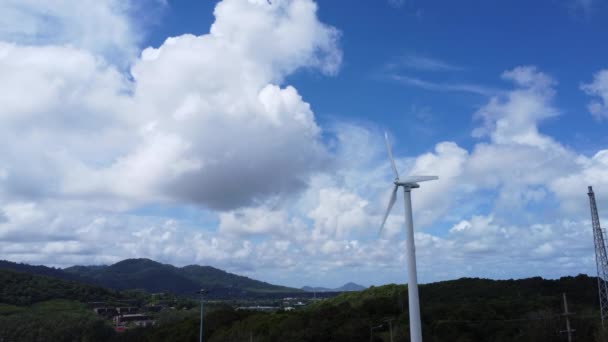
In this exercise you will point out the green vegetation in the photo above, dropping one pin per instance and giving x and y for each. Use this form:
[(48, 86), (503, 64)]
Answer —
[(459, 310), (7, 309), (153, 277), (55, 320), (184, 325), (212, 277), (19, 288), (42, 270), (39, 308)]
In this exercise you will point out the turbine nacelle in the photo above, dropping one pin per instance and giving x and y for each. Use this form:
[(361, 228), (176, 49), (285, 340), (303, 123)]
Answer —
[(412, 181), (407, 185)]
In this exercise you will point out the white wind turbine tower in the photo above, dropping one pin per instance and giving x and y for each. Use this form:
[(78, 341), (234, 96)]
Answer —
[(412, 282)]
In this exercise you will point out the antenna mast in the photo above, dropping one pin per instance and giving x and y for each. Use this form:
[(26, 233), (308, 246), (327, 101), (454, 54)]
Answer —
[(601, 259)]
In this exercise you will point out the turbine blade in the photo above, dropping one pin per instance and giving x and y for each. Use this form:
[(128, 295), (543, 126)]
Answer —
[(390, 155), (418, 179), (391, 202)]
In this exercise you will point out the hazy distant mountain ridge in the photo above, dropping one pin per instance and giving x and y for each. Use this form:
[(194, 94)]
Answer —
[(348, 287)]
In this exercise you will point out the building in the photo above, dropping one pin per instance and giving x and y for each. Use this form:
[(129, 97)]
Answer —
[(139, 320)]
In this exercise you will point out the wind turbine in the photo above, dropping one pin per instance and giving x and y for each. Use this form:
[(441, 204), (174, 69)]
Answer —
[(408, 184)]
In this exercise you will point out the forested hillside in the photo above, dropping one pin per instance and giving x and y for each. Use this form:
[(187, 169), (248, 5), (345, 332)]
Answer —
[(41, 308), (43, 271), (37, 308), (153, 276), (18, 288), (459, 310), (54, 320)]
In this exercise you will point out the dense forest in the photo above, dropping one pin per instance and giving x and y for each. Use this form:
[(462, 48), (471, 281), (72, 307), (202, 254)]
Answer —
[(39, 308), (459, 310), (153, 276), (18, 288), (43, 270)]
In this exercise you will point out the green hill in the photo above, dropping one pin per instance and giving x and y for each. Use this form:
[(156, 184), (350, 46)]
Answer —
[(39, 308), (213, 278), (43, 271), (460, 310), (137, 274), (153, 277), (20, 288), (42, 308)]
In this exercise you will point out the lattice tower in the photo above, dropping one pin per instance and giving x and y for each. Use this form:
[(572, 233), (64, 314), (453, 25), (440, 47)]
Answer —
[(601, 259)]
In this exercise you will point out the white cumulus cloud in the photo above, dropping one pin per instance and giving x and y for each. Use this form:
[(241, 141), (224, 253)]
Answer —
[(204, 119), (598, 88), (103, 27)]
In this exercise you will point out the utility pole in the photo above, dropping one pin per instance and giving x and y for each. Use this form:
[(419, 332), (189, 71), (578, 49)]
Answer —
[(390, 326), (371, 332), (567, 315), (202, 292)]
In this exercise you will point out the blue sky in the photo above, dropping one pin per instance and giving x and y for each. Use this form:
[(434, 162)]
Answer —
[(249, 136)]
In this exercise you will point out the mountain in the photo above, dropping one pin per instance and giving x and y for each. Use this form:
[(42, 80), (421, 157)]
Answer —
[(44, 271), (137, 274), (153, 277), (351, 287), (344, 288), (213, 277)]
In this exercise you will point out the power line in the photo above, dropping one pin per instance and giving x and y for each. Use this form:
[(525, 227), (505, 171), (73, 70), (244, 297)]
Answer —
[(548, 317)]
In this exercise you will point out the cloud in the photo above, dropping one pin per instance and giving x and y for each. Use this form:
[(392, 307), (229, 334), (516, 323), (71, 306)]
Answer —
[(419, 63), (102, 27), (339, 214), (527, 166), (396, 3), (448, 162), (598, 88), (569, 187), (75, 116), (255, 221), (423, 63), (482, 242), (520, 165), (166, 135), (242, 136), (23, 220), (514, 117), (440, 86)]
